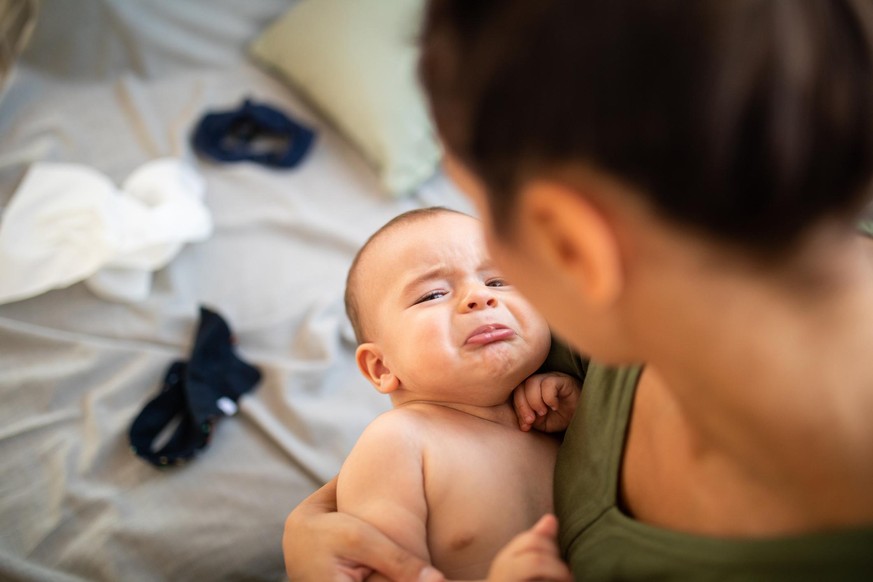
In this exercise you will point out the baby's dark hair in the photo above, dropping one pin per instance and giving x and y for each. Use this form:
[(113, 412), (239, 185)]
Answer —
[(353, 308), (745, 120)]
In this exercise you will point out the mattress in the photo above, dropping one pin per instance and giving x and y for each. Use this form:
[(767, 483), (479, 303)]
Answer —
[(111, 85)]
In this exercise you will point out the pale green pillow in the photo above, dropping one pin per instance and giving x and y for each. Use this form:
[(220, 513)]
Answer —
[(355, 61)]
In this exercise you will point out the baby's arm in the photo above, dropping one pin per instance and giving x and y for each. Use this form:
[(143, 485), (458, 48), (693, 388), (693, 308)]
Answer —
[(547, 401), (381, 482)]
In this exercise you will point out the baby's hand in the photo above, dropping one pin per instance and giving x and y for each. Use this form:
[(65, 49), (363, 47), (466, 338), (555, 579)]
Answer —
[(546, 402), (532, 555)]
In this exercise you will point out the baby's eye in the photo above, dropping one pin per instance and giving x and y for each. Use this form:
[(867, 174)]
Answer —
[(430, 296), (497, 283)]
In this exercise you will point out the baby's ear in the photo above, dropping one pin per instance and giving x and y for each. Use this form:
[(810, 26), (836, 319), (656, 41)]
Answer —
[(372, 365)]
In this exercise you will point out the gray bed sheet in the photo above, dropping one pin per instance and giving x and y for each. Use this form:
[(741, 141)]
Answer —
[(113, 84)]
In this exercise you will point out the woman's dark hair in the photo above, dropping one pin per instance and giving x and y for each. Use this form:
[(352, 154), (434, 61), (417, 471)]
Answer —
[(748, 120)]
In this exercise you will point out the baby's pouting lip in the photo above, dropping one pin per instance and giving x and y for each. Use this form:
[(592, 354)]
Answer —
[(489, 333)]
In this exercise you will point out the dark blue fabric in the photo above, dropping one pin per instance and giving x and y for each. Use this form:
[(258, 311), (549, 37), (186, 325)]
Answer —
[(191, 392), (254, 132)]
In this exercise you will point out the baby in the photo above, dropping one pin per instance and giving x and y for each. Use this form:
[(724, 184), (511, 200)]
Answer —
[(447, 473)]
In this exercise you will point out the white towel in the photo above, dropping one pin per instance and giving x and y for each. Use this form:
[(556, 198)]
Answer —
[(68, 223)]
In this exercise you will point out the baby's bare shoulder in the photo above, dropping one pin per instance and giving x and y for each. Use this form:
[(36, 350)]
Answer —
[(403, 418), (398, 422), (419, 415), (418, 424), (391, 439)]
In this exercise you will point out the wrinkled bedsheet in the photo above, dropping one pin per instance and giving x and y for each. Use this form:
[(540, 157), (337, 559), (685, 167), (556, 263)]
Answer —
[(113, 84)]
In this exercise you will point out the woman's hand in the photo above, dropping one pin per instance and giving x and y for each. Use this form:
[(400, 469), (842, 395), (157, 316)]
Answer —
[(320, 544), (532, 555), (546, 402)]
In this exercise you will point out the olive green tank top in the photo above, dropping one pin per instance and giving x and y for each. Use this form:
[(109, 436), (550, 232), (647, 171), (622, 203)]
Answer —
[(601, 542)]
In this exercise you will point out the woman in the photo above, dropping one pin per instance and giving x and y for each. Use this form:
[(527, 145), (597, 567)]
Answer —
[(674, 184)]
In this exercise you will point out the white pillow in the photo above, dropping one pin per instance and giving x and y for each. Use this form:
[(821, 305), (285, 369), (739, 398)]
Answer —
[(355, 61)]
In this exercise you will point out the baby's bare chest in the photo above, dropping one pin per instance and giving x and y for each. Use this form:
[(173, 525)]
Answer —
[(483, 491)]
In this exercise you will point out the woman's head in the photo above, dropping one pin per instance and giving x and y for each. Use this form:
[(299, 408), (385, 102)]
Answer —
[(747, 121)]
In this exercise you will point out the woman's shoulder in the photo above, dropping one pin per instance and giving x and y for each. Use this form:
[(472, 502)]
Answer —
[(599, 425), (587, 471)]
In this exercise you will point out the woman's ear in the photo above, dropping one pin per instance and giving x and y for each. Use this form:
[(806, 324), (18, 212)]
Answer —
[(575, 238), (372, 365)]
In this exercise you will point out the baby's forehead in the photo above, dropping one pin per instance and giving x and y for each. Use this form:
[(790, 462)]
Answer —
[(432, 233), (413, 244)]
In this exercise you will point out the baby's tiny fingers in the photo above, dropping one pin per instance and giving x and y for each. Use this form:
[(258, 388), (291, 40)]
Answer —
[(533, 392), (550, 392), (526, 415), (538, 567), (555, 571)]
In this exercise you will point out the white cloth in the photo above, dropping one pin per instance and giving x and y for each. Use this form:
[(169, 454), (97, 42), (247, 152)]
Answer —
[(68, 223)]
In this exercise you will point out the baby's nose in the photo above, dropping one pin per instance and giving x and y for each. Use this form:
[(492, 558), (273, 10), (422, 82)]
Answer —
[(480, 299), (490, 302)]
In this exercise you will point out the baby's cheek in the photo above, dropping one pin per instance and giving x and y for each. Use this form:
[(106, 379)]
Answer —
[(530, 319), (429, 326), (430, 336), (539, 333)]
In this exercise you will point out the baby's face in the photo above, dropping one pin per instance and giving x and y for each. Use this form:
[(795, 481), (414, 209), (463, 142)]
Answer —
[(450, 327)]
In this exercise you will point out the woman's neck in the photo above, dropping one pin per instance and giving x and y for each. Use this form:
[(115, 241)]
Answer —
[(775, 374)]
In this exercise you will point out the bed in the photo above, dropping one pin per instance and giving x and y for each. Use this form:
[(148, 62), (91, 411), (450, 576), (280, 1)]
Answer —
[(111, 85)]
